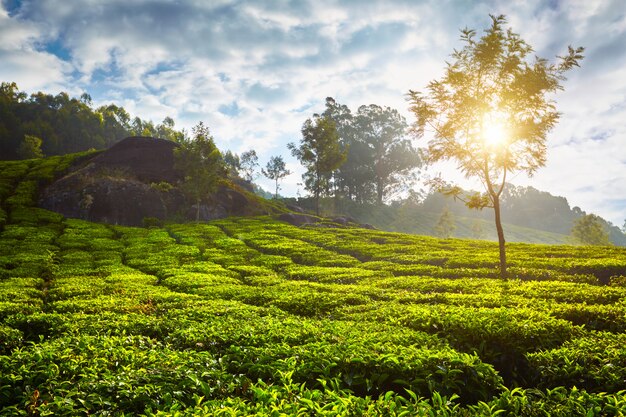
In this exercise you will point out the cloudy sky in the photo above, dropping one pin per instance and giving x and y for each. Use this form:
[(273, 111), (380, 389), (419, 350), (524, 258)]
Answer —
[(255, 70)]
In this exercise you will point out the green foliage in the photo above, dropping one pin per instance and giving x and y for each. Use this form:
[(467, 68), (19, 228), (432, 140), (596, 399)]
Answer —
[(380, 159), (249, 163), (320, 153), (46, 124), (232, 163), (588, 230), (30, 148), (275, 170), (490, 113), (596, 362), (252, 316), (149, 222), (201, 164)]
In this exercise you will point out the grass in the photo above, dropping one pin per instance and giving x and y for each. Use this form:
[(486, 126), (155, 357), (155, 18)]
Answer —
[(251, 316)]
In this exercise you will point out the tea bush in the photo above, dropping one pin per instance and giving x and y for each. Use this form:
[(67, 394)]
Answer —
[(252, 316)]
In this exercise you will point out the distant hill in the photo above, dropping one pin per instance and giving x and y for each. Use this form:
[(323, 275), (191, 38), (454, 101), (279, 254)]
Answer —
[(406, 219), (529, 215), (525, 207)]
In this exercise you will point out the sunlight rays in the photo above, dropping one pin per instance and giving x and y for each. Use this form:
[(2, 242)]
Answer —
[(495, 133)]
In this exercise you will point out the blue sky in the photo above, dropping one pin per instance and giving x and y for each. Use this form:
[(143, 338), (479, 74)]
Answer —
[(254, 71)]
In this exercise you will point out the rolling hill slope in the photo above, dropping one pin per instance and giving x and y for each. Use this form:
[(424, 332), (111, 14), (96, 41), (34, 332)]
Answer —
[(421, 222), (252, 316)]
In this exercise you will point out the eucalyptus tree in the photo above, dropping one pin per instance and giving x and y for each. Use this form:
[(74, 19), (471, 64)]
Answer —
[(320, 153), (490, 113), (232, 163), (392, 156), (379, 155)]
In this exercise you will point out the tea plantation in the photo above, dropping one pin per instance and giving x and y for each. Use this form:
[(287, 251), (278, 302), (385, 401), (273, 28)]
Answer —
[(251, 316)]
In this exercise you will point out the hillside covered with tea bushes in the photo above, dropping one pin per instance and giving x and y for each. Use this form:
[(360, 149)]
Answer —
[(252, 316)]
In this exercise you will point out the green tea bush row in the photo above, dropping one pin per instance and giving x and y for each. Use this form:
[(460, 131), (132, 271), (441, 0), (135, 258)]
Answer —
[(289, 398), (371, 369), (108, 375), (595, 362), (500, 336)]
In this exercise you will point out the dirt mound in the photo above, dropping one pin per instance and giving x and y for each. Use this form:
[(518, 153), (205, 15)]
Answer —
[(135, 180), (147, 159)]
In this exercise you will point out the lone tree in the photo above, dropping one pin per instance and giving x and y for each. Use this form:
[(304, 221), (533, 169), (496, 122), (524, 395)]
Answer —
[(589, 230), (445, 225), (275, 170), (319, 152), (201, 163), (249, 162), (490, 113)]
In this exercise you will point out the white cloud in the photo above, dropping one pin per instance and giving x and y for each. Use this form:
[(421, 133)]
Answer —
[(23, 62)]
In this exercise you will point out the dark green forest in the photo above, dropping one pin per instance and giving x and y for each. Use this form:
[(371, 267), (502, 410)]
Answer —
[(67, 124)]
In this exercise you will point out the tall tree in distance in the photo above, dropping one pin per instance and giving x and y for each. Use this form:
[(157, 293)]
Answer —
[(490, 113), (383, 130), (249, 162), (589, 230), (354, 176), (320, 153), (66, 125), (201, 164), (166, 130), (232, 162), (445, 225), (276, 170), (380, 159)]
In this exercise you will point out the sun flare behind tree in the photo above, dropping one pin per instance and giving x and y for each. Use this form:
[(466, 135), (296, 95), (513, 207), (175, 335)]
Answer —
[(491, 113), (494, 130)]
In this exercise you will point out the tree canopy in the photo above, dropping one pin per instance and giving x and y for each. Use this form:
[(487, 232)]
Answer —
[(249, 162), (276, 170), (320, 153), (491, 112), (589, 230), (66, 125), (380, 157), (201, 164)]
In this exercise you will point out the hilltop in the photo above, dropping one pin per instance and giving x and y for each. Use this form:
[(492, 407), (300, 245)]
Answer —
[(134, 180)]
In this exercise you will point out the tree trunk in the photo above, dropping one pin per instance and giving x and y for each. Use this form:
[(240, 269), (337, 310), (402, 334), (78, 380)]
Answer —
[(276, 195), (501, 242), (379, 192), (197, 210), (317, 201)]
